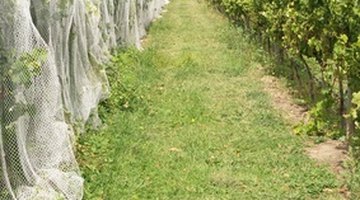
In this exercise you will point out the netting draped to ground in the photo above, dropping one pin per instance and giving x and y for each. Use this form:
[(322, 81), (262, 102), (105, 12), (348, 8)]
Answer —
[(52, 78)]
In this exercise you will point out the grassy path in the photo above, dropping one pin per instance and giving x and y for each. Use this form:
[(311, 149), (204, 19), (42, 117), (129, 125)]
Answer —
[(188, 119)]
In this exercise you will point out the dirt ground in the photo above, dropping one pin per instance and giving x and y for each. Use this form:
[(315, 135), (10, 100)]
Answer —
[(283, 101), (331, 153)]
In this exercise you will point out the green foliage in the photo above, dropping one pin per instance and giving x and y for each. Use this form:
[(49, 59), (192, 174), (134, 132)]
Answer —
[(27, 67), (355, 140), (326, 31), (21, 72), (356, 108), (16, 72), (323, 121), (125, 96), (123, 72)]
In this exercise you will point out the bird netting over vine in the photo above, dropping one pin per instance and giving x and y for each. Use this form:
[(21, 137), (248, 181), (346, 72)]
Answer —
[(52, 79)]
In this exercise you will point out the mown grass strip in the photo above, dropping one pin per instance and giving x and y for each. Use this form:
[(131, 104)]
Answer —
[(188, 119)]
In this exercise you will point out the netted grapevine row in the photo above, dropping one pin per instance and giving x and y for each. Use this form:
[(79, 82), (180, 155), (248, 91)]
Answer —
[(51, 80)]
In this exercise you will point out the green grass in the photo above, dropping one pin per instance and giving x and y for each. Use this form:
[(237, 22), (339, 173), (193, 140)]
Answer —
[(188, 119)]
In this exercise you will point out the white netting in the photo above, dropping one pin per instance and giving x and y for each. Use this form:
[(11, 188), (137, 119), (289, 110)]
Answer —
[(51, 80)]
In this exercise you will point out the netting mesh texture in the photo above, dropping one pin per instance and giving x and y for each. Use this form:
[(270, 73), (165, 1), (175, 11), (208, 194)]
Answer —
[(51, 80)]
